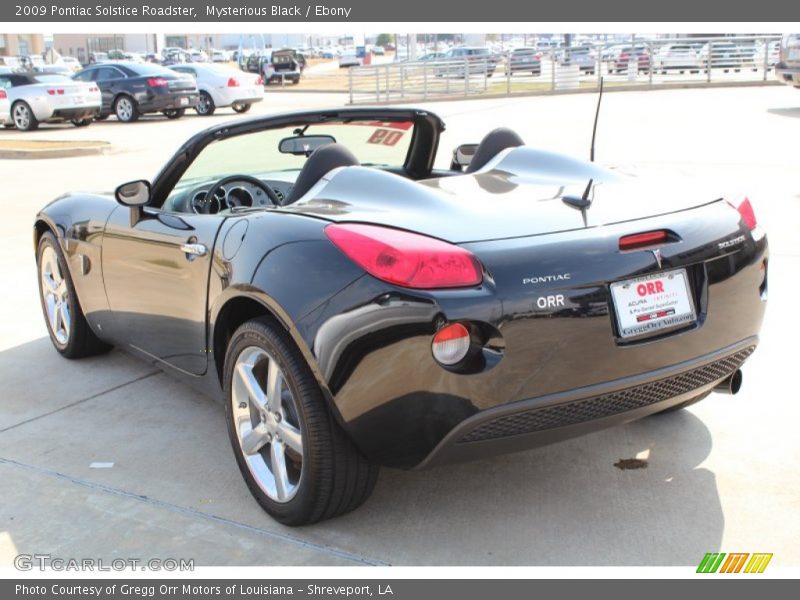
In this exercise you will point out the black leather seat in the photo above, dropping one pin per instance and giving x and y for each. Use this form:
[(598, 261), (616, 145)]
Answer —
[(323, 160), (492, 144)]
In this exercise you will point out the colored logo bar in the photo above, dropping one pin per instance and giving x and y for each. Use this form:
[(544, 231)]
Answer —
[(735, 562)]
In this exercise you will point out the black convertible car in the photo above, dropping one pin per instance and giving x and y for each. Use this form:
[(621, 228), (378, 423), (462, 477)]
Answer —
[(356, 306)]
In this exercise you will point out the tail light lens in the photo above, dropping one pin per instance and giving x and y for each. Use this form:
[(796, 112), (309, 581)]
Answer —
[(747, 213), (94, 88), (259, 81), (232, 82), (3, 95), (406, 259), (643, 240), (450, 344), (155, 82)]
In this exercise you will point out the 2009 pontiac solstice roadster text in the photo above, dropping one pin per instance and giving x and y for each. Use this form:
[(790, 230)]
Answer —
[(354, 306)]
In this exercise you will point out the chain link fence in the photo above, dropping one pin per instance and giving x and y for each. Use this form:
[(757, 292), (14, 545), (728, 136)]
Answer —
[(637, 63)]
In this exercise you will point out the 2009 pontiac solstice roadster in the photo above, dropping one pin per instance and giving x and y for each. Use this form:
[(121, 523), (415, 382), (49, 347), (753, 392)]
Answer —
[(355, 306)]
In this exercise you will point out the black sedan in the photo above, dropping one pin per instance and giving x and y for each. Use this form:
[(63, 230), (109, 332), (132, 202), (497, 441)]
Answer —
[(131, 89), (353, 306)]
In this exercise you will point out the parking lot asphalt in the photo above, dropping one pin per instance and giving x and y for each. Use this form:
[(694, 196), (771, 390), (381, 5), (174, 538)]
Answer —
[(723, 475)]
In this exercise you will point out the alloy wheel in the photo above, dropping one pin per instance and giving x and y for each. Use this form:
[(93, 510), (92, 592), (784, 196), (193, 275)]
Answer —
[(22, 116), (266, 421), (124, 109), (56, 296)]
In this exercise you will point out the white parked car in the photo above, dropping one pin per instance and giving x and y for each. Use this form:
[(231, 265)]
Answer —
[(5, 108), (43, 97), (221, 86), (349, 59), (681, 57), (71, 62)]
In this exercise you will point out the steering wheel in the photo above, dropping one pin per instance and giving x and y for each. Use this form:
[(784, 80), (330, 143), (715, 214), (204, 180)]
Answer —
[(273, 197)]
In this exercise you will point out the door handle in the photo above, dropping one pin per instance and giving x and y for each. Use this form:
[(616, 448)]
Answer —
[(194, 249)]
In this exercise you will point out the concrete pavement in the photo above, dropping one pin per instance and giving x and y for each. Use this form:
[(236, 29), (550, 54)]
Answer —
[(721, 476)]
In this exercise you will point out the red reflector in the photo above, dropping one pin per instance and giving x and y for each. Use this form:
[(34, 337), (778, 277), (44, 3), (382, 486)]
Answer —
[(233, 82), (157, 82), (643, 240), (748, 214), (406, 259)]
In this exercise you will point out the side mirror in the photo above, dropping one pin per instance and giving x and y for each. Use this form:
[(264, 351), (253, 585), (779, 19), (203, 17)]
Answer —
[(463, 155), (134, 193)]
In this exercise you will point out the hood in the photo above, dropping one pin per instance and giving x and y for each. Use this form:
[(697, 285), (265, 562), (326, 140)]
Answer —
[(518, 194)]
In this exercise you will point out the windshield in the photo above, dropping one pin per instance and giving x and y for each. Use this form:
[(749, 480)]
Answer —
[(374, 143)]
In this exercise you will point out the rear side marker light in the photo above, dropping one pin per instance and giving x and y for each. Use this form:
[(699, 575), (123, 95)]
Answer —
[(406, 259), (643, 240), (747, 213), (450, 344)]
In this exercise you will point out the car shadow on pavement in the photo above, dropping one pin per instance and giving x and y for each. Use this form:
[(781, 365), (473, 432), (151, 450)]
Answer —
[(786, 112), (564, 504)]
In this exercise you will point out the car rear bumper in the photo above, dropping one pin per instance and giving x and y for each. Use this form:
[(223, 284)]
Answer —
[(69, 114), (161, 102), (539, 421), (788, 75)]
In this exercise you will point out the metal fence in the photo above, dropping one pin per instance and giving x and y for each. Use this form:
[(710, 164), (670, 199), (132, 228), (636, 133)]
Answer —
[(637, 63)]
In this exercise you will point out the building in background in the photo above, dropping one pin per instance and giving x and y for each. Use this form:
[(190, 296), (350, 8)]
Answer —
[(21, 44)]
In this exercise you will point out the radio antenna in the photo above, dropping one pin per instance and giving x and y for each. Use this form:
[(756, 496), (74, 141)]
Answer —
[(596, 116)]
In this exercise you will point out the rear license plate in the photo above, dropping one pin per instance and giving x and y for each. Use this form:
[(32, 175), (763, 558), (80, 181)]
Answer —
[(184, 101), (654, 302), (78, 99)]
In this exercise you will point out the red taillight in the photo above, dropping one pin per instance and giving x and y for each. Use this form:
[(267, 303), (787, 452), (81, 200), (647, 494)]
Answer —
[(51, 92), (60, 92), (259, 81), (232, 82), (94, 88), (3, 95), (406, 259), (748, 214), (643, 240), (154, 82)]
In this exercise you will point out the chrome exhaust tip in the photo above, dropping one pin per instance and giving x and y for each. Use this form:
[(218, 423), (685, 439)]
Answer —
[(731, 385)]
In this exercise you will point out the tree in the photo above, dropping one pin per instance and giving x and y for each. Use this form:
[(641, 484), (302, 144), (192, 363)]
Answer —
[(384, 38)]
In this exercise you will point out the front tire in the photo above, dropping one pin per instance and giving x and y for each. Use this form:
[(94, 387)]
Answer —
[(241, 108), (23, 116), (205, 106), (66, 324), (126, 109), (296, 460)]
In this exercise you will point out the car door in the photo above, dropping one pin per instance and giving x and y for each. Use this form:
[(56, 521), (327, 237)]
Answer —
[(108, 79), (156, 273)]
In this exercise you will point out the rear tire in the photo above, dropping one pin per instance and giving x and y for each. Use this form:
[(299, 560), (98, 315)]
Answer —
[(322, 473), (23, 116), (66, 324), (174, 113), (241, 108)]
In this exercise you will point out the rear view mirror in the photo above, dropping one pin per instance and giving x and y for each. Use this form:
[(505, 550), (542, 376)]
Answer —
[(463, 155), (304, 144), (133, 193)]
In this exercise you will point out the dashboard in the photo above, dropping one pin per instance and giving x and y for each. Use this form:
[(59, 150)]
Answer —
[(234, 195)]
